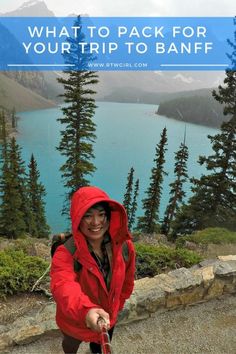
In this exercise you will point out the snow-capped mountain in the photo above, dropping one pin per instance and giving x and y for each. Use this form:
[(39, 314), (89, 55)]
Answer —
[(29, 3), (31, 8)]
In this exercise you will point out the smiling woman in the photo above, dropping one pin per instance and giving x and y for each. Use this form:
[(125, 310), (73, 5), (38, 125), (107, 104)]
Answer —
[(106, 279)]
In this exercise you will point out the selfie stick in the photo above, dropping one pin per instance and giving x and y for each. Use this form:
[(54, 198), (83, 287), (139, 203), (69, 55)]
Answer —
[(104, 336)]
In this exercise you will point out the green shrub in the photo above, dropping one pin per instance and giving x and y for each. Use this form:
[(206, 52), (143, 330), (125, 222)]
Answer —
[(153, 260), (18, 271), (215, 235)]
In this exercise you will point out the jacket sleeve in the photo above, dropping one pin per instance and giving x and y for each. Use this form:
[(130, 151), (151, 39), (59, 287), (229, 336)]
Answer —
[(129, 276), (66, 291)]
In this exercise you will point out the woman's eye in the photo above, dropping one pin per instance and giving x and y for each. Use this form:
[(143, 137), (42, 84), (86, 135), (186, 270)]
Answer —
[(87, 216)]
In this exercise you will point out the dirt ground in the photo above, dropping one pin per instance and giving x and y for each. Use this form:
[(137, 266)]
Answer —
[(203, 328)]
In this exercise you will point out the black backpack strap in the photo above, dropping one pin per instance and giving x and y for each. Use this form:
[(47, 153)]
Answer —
[(125, 251), (70, 246)]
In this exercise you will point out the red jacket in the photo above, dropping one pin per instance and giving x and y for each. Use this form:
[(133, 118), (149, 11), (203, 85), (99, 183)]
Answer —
[(75, 294)]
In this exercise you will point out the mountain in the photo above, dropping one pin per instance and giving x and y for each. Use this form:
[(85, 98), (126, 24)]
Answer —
[(199, 108), (138, 95), (36, 8), (42, 83), (14, 95), (115, 83)]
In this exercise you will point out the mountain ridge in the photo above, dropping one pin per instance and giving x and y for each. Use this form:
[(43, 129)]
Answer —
[(34, 8), (14, 95)]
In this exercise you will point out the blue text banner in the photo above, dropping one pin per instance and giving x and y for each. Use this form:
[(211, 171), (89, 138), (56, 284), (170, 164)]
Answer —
[(116, 43)]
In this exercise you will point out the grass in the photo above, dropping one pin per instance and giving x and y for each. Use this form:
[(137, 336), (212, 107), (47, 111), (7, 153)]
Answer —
[(211, 235)]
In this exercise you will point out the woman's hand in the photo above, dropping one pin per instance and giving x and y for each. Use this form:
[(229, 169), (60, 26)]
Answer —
[(93, 316)]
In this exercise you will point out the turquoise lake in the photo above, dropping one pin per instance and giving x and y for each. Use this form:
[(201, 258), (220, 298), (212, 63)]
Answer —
[(127, 135)]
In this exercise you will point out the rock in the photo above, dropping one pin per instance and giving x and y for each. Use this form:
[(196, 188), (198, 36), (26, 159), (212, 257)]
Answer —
[(226, 269), (227, 258), (185, 298), (183, 278), (5, 342), (165, 282), (27, 334), (208, 262), (216, 289), (207, 274), (2, 329), (149, 300)]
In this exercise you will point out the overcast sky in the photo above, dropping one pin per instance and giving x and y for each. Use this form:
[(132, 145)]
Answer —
[(133, 7)]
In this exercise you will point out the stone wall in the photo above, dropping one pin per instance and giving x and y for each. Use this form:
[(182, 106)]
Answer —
[(181, 287)]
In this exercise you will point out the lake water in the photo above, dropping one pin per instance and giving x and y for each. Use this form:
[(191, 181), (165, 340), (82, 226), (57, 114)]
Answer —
[(127, 135)]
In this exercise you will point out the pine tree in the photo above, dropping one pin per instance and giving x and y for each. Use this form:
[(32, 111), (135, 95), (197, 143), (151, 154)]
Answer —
[(151, 204), (36, 192), (128, 191), (78, 132), (14, 207), (218, 189), (13, 118), (176, 188), (3, 131), (214, 199), (226, 94), (134, 205), (4, 165)]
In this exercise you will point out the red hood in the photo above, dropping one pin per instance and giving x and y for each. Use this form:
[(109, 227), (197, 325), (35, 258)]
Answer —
[(84, 198)]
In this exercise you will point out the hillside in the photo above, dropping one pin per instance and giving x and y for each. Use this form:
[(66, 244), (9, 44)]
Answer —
[(197, 109), (13, 94), (136, 94), (112, 83)]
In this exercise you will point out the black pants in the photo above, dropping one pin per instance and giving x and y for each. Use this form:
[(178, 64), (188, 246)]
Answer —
[(70, 345)]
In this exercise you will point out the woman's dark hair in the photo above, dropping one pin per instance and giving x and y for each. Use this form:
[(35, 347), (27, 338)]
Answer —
[(106, 207)]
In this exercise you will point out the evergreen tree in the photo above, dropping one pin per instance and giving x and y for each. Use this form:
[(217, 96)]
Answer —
[(3, 131), (13, 118), (226, 94), (214, 199), (14, 205), (4, 164), (151, 204), (134, 205), (36, 192), (78, 132), (128, 191), (176, 188)]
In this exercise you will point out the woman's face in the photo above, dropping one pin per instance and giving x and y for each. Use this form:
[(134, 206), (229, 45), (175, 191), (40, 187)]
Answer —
[(94, 223)]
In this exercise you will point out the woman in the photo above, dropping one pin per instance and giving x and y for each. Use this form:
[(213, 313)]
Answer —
[(106, 278)]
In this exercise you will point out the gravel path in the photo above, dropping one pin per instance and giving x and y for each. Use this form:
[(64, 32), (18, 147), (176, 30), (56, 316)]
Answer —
[(204, 328)]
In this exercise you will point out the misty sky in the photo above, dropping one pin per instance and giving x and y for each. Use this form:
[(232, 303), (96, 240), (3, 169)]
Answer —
[(133, 7)]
